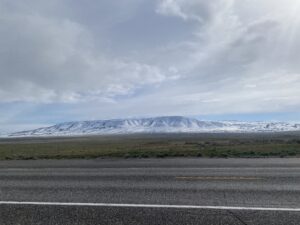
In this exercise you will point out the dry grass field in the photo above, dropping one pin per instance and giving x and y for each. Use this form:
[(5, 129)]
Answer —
[(153, 145)]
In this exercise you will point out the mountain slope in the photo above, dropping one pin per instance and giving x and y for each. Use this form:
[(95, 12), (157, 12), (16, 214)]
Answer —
[(168, 124)]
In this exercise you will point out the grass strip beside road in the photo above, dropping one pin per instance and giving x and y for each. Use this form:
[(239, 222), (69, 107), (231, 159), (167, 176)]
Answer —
[(153, 146)]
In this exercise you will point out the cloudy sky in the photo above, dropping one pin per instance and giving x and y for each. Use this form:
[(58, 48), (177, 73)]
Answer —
[(63, 60)]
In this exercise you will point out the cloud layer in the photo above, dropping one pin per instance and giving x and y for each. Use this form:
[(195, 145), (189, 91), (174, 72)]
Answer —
[(102, 59), (48, 59)]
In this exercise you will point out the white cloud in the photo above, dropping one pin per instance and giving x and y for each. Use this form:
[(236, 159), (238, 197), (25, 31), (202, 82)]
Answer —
[(46, 59), (229, 56), (238, 46), (198, 10)]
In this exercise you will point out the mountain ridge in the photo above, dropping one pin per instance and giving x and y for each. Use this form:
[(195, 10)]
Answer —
[(163, 124)]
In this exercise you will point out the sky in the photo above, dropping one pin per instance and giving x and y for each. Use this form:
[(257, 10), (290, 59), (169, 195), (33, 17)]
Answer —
[(64, 60)]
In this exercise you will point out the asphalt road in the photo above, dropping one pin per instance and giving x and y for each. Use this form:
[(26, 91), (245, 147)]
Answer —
[(150, 191)]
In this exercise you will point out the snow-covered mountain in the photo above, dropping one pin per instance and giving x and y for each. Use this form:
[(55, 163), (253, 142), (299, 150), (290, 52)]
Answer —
[(168, 124)]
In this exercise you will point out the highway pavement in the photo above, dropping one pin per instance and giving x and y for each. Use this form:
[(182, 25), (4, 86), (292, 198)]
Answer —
[(150, 191)]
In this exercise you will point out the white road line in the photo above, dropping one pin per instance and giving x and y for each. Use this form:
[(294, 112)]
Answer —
[(148, 206)]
